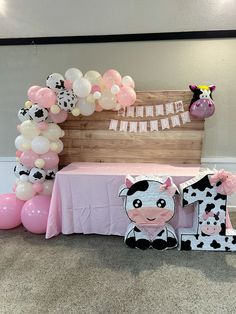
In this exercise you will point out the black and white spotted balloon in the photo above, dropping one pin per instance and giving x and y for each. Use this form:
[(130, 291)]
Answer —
[(55, 81), (20, 170), (67, 100), (23, 114), (50, 174), (38, 113), (37, 175)]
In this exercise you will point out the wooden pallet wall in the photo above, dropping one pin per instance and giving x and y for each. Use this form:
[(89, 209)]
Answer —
[(89, 139)]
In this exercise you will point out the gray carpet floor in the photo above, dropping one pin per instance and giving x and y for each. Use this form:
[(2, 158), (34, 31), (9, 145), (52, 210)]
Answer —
[(98, 274)]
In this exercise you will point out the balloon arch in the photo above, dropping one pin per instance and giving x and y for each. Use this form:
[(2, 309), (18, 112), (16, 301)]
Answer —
[(39, 144)]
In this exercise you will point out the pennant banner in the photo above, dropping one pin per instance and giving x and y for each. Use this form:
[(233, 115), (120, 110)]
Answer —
[(152, 125)]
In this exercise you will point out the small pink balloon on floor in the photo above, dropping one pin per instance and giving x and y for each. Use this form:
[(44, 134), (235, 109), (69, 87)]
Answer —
[(10, 211), (34, 214)]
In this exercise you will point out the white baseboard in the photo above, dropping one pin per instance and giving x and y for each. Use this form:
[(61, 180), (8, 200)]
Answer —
[(7, 177)]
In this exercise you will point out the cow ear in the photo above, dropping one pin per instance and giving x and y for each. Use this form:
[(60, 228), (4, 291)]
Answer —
[(129, 181), (212, 88), (168, 182), (123, 190), (193, 87)]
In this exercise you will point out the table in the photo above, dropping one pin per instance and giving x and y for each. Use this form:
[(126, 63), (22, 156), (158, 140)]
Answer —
[(85, 197)]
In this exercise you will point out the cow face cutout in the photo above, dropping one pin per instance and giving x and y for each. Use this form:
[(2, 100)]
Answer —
[(202, 105), (148, 202)]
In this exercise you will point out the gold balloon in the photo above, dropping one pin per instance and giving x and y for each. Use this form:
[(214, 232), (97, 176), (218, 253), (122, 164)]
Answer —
[(39, 163), (28, 104), (55, 109), (107, 100)]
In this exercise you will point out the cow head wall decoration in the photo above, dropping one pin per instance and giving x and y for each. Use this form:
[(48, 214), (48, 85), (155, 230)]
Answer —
[(202, 105)]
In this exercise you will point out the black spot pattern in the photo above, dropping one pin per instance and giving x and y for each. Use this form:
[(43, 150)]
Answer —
[(234, 240), (226, 239), (223, 229), (215, 244), (200, 201), (200, 245), (218, 183), (171, 242), (38, 175), (202, 184), (138, 186), (196, 236), (160, 233), (227, 249), (136, 229), (185, 203), (186, 245), (143, 244), (193, 194), (220, 196), (131, 242), (209, 207), (39, 113), (223, 207), (159, 244), (208, 194)]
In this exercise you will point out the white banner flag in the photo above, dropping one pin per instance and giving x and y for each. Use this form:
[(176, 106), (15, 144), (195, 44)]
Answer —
[(165, 123), (185, 117), (123, 126), (153, 125), (113, 125), (130, 111), (179, 106), (149, 111), (169, 108), (139, 111), (175, 120), (133, 126), (159, 110), (143, 126)]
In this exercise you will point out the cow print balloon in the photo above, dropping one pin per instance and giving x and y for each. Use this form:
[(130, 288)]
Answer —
[(67, 100), (55, 81), (50, 174), (37, 175), (38, 114), (23, 114), (20, 170)]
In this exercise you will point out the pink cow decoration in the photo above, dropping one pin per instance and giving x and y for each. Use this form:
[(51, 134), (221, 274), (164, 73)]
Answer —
[(149, 203), (202, 105)]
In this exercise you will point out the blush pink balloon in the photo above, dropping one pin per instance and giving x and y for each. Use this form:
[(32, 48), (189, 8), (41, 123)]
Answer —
[(95, 88), (28, 158), (10, 211), (59, 117), (111, 77), (38, 187), (14, 188), (51, 160), (68, 84), (98, 108), (45, 97), (34, 214), (32, 93), (43, 126), (18, 153), (126, 96)]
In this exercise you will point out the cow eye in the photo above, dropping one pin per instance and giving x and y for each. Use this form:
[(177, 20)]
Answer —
[(137, 203), (161, 203)]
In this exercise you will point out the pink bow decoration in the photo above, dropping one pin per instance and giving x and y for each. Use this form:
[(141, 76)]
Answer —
[(168, 186), (228, 185), (205, 216)]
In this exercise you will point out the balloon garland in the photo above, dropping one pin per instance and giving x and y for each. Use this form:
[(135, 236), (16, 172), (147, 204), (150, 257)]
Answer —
[(39, 144)]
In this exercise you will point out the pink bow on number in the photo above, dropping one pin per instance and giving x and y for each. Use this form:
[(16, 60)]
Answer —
[(228, 185), (168, 186)]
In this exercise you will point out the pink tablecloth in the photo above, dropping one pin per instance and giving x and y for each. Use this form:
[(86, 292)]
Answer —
[(85, 197)]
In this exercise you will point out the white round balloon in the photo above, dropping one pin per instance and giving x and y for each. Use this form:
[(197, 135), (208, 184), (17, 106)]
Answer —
[(23, 114), (55, 81), (38, 113), (66, 100), (23, 144), (53, 132), (72, 74), (37, 175), (128, 81), (40, 145), (29, 129), (82, 87), (24, 191), (85, 108)]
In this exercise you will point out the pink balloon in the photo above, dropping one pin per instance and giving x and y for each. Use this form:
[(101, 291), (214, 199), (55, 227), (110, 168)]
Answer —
[(98, 108), (95, 88), (43, 126), (68, 84), (59, 117), (18, 153), (126, 96), (45, 97), (111, 77), (51, 160), (10, 211), (34, 214), (32, 93), (38, 187), (28, 158)]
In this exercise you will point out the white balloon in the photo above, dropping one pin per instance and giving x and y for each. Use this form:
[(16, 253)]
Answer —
[(23, 114), (53, 132), (29, 129), (37, 175), (58, 146), (72, 74), (128, 81), (38, 113), (82, 87), (47, 187), (66, 100), (24, 191), (85, 108), (97, 95), (20, 170), (55, 81), (24, 178), (23, 144), (40, 145), (115, 89)]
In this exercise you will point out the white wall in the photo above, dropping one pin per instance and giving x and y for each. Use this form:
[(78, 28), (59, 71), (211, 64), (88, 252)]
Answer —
[(30, 18)]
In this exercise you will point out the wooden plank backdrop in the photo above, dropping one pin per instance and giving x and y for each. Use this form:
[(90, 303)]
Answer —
[(89, 138)]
